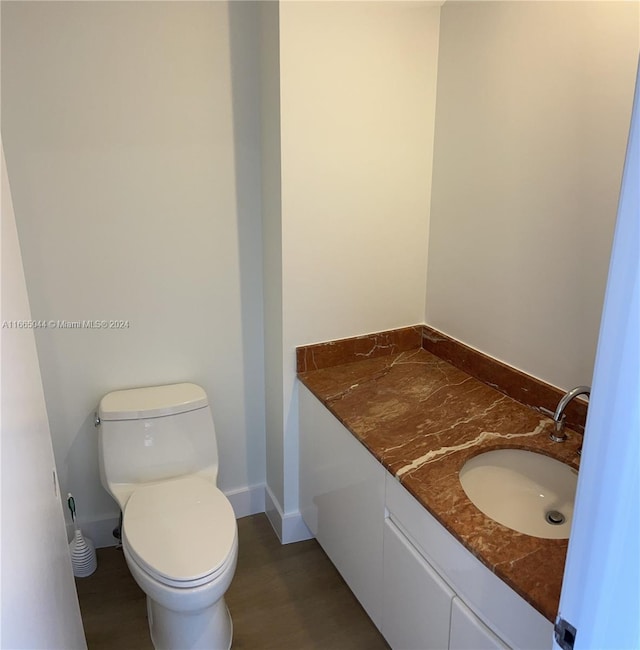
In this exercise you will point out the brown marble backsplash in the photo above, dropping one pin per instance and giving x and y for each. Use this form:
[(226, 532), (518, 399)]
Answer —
[(358, 348), (512, 382)]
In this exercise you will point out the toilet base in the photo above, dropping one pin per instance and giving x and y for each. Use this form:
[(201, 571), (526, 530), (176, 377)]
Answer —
[(207, 629)]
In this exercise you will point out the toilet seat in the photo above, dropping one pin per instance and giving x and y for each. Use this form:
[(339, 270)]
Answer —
[(182, 531)]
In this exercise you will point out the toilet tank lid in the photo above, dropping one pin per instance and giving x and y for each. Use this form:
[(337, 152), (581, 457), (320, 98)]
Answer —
[(152, 402)]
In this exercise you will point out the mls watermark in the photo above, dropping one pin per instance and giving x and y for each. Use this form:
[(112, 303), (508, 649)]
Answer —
[(66, 324)]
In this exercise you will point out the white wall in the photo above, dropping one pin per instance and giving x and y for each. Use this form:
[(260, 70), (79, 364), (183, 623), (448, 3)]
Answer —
[(533, 108), (272, 252), (38, 600), (132, 139), (357, 101)]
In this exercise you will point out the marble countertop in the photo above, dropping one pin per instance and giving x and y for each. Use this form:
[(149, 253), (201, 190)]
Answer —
[(422, 418)]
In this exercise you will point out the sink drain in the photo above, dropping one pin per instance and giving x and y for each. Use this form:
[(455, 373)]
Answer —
[(555, 518)]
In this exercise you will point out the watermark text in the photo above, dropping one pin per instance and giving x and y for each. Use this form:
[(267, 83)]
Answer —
[(52, 324)]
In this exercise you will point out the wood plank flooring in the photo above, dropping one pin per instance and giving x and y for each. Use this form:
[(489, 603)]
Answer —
[(282, 598)]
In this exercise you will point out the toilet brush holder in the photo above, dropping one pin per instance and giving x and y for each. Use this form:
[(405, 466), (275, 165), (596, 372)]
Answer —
[(83, 555), (83, 552)]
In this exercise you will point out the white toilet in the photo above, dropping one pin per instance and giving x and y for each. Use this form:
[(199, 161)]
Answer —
[(159, 461)]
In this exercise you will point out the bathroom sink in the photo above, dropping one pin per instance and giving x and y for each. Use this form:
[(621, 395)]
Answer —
[(523, 490)]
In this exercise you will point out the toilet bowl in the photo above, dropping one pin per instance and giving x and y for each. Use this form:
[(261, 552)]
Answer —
[(180, 542), (179, 533)]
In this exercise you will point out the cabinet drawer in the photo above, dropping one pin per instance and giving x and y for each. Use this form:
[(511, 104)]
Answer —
[(468, 632), (510, 616), (416, 602)]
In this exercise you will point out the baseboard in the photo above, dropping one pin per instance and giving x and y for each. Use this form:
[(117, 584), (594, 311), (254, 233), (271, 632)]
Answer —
[(248, 500), (273, 511), (99, 531), (245, 501), (289, 527)]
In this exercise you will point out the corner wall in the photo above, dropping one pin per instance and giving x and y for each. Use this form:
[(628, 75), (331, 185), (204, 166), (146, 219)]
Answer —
[(357, 101), (272, 254), (533, 108)]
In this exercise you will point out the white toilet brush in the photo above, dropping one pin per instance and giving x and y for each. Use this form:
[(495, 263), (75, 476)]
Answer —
[(83, 553)]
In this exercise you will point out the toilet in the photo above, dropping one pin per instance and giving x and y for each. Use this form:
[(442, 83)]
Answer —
[(158, 458)]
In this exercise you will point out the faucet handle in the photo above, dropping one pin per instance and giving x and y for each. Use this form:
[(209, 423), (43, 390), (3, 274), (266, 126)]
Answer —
[(548, 412)]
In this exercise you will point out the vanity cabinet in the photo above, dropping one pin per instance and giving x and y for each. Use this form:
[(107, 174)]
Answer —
[(342, 500), (419, 609), (420, 586), (513, 620), (468, 632), (416, 601)]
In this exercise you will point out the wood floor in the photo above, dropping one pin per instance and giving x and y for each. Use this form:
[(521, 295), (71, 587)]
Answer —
[(282, 598)]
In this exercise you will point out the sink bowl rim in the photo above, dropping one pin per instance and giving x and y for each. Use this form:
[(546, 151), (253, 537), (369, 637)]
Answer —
[(565, 479)]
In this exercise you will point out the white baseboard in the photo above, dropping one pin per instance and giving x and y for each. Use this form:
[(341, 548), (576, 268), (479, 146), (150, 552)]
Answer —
[(289, 527), (245, 501), (99, 531)]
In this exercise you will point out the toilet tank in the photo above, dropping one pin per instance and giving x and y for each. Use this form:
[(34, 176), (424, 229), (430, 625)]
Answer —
[(153, 434)]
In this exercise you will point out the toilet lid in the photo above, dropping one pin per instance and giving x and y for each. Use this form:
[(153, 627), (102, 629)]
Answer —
[(182, 529)]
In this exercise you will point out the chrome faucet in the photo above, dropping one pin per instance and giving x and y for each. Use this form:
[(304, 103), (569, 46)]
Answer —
[(558, 434)]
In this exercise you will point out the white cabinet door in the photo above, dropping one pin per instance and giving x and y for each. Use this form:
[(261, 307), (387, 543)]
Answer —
[(342, 500), (513, 619), (468, 632), (416, 603)]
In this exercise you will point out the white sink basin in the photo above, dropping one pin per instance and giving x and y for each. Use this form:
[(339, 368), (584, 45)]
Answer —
[(522, 490)]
